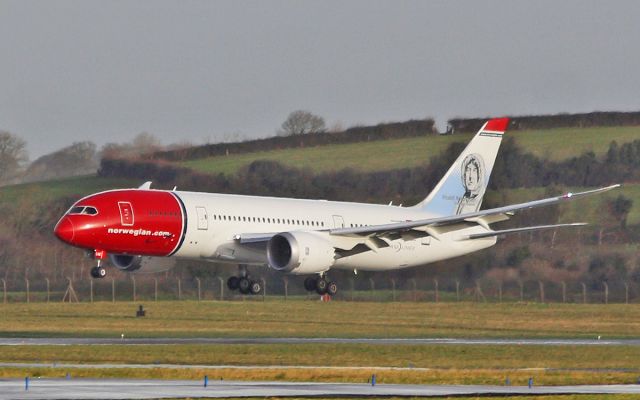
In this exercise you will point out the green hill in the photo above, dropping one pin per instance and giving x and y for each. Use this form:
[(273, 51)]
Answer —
[(76, 186), (554, 144)]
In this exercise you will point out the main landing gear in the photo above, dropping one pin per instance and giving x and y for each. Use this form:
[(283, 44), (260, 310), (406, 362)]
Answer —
[(321, 285), (243, 283)]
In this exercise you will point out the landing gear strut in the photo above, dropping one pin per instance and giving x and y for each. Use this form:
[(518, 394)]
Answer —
[(321, 285), (243, 283)]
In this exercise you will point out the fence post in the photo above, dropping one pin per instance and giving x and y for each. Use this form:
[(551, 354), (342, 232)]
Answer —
[(48, 289), (499, 291), (435, 285), (113, 290), (199, 293), (179, 289), (584, 293), (521, 284), (221, 288), (4, 291), (479, 294), (415, 289), (564, 292), (393, 289), (352, 286), (626, 293), (133, 289), (541, 286), (90, 290), (155, 289), (27, 289), (372, 284), (606, 293), (457, 290), (286, 287), (264, 289)]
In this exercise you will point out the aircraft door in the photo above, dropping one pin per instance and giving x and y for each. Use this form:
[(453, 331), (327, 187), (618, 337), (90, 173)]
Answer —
[(203, 220), (338, 221)]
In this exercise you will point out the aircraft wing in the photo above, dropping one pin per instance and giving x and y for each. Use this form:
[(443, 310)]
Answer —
[(429, 225)]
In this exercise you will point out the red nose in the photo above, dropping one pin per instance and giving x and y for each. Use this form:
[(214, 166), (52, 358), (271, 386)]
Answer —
[(64, 230)]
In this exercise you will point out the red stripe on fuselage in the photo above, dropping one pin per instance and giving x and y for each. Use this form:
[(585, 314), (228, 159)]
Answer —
[(152, 223)]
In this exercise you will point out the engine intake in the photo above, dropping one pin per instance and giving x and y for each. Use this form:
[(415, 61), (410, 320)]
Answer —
[(300, 252)]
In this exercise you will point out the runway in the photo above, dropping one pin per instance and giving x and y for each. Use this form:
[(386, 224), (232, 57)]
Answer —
[(146, 389), (373, 341)]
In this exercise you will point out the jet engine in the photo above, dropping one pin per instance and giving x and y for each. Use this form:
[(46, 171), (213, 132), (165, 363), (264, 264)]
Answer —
[(300, 252), (141, 264)]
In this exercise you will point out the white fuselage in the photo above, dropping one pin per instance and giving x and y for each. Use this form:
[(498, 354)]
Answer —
[(215, 220)]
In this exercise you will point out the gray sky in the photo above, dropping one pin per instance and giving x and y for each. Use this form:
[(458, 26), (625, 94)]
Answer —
[(198, 71)]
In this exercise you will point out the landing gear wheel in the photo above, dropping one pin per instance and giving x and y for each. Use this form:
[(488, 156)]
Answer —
[(321, 286), (310, 284), (98, 272), (244, 285), (233, 283), (255, 287), (332, 288)]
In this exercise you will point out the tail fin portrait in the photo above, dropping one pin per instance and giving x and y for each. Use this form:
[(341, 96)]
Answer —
[(462, 188)]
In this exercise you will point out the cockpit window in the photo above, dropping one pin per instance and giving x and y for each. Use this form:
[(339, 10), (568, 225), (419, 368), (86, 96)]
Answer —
[(83, 210), (76, 210)]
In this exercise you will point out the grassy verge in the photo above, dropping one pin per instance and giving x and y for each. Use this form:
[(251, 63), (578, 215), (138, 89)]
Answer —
[(279, 318), (599, 359), (435, 376)]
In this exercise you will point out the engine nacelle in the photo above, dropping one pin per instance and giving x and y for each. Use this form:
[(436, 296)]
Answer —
[(141, 264), (300, 252)]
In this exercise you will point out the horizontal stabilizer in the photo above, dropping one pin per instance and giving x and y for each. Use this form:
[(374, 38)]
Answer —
[(519, 230)]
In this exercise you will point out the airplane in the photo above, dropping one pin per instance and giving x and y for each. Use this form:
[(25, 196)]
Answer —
[(141, 229)]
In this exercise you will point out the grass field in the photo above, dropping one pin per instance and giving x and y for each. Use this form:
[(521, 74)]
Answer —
[(279, 318), (436, 364), (423, 364), (411, 152)]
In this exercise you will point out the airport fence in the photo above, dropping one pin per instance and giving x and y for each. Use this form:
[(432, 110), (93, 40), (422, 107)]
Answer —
[(139, 288)]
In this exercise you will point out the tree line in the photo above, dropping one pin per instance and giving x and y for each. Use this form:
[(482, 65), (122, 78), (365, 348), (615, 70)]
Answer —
[(563, 120), (393, 130)]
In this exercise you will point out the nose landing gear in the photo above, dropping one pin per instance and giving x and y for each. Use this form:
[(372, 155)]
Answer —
[(243, 283), (99, 271), (321, 285)]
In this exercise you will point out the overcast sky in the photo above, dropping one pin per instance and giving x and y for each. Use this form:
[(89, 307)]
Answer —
[(211, 70)]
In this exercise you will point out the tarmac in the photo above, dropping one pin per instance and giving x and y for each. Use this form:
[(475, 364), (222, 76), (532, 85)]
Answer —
[(153, 389), (328, 340)]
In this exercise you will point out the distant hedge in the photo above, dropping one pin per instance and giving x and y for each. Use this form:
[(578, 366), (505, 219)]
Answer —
[(391, 130), (585, 120)]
